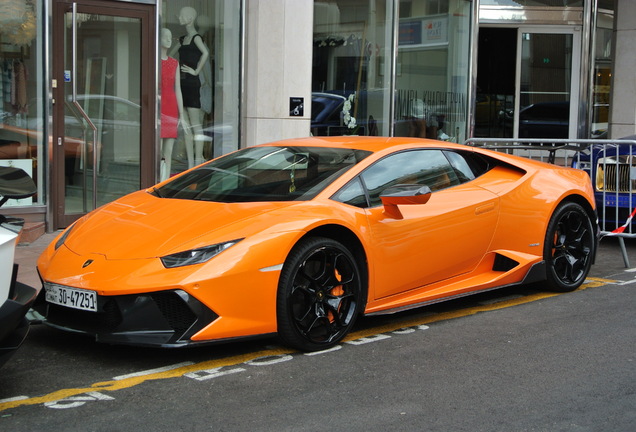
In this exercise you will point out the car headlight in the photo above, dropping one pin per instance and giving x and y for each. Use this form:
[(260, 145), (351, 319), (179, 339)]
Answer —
[(582, 165), (63, 237), (196, 256), (600, 178)]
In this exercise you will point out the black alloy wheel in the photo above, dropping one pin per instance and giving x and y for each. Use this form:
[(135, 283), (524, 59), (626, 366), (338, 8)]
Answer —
[(319, 294), (569, 247)]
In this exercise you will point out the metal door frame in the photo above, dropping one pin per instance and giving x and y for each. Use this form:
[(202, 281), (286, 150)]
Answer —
[(146, 12), (575, 68)]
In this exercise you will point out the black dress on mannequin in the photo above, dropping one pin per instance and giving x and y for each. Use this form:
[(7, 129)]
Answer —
[(190, 55)]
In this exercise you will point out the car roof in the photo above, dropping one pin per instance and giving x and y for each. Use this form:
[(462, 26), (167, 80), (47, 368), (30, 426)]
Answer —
[(373, 144), (319, 95)]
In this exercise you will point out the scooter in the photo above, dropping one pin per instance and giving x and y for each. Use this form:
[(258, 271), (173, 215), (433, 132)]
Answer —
[(15, 298)]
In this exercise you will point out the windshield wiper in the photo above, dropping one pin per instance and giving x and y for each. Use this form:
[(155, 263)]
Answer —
[(156, 192)]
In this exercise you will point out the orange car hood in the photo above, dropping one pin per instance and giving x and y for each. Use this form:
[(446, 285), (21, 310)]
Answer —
[(143, 226)]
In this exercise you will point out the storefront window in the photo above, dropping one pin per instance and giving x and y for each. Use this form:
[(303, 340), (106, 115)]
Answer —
[(22, 119), (602, 73), (517, 3), (354, 74), (200, 68), (351, 68), (432, 69)]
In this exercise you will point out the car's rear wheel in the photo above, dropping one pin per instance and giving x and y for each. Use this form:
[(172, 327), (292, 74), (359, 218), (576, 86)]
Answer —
[(319, 294), (569, 247)]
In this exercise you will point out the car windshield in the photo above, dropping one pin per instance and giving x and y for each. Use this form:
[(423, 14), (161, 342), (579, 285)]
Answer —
[(264, 174)]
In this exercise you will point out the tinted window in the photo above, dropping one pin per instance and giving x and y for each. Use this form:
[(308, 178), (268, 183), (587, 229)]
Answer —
[(260, 174), (352, 194), (423, 167), (467, 165), (436, 169)]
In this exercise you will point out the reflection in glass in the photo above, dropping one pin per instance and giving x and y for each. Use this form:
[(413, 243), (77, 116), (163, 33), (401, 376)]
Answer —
[(351, 68), (421, 167), (22, 128), (544, 97), (102, 126), (520, 3), (432, 70), (353, 72), (205, 43), (602, 72), (260, 174)]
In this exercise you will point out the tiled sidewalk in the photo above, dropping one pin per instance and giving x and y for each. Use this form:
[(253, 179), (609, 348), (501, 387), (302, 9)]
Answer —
[(26, 255)]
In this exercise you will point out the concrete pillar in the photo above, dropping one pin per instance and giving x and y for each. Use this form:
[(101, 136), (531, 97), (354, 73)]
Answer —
[(278, 65), (623, 101)]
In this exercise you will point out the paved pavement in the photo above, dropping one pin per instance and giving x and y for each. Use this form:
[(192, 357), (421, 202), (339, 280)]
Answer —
[(26, 255)]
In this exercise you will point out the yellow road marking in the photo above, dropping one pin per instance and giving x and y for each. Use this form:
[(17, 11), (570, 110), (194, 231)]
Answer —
[(115, 385), (589, 283), (136, 380)]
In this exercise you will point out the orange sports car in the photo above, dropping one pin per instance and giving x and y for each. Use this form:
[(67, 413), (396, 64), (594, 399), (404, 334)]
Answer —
[(299, 237)]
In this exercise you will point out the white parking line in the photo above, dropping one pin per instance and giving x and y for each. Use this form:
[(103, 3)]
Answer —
[(153, 371), (628, 282), (13, 399)]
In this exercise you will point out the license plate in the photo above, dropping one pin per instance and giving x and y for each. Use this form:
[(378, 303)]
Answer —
[(71, 297)]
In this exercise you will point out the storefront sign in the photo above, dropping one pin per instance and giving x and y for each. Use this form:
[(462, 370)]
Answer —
[(296, 107), (410, 33), (424, 32)]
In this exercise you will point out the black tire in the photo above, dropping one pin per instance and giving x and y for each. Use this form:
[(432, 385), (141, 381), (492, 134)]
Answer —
[(569, 247), (319, 294)]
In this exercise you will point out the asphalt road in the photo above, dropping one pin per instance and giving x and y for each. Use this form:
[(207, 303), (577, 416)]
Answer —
[(511, 360)]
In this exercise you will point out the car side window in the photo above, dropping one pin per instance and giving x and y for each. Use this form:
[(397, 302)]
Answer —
[(352, 194), (422, 167), (467, 165)]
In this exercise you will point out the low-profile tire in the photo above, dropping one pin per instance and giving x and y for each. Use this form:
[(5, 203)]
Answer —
[(319, 294), (569, 247)]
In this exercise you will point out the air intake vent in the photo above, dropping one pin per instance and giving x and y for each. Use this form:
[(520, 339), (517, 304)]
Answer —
[(175, 310), (503, 264)]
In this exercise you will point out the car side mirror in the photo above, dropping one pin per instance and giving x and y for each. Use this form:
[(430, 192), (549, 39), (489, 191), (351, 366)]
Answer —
[(403, 194)]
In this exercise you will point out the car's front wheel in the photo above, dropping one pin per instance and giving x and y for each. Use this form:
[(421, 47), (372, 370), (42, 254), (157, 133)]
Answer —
[(569, 247), (319, 294)]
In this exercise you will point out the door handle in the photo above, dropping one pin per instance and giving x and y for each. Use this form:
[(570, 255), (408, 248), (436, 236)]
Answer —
[(485, 208), (83, 113)]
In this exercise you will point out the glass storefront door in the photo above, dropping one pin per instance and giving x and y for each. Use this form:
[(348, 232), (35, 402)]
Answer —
[(547, 89), (103, 110), (527, 82)]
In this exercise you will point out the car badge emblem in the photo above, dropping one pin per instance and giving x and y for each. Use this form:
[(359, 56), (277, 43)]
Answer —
[(87, 263)]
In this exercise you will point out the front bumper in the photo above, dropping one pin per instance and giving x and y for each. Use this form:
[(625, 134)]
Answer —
[(140, 302), (160, 319)]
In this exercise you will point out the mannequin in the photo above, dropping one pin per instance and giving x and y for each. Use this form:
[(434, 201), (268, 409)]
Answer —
[(193, 55), (171, 104)]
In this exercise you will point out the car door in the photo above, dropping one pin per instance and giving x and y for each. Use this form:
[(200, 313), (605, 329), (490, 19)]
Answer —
[(446, 237)]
